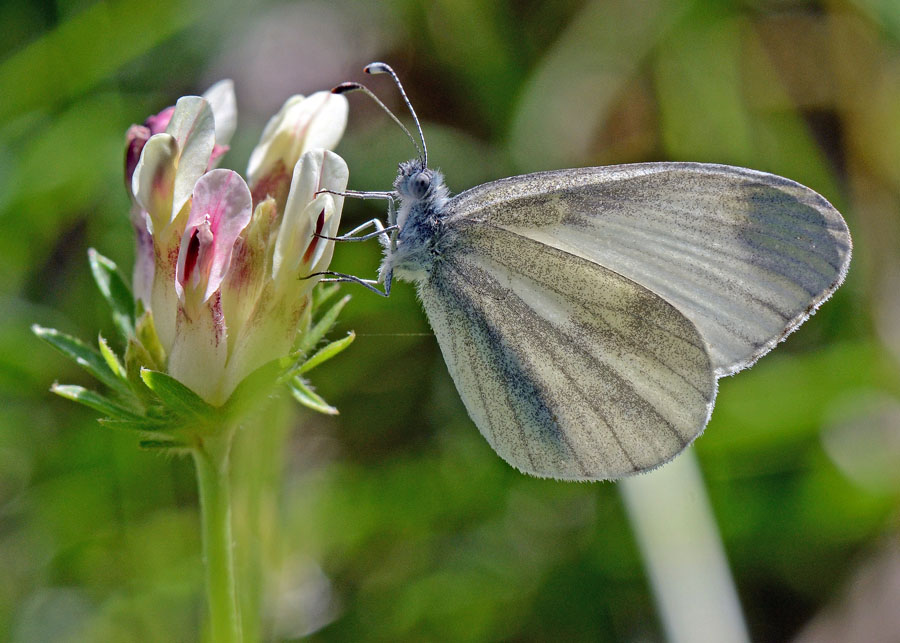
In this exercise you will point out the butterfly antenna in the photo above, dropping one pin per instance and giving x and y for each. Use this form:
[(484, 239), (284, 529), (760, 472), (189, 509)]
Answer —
[(346, 88), (384, 68)]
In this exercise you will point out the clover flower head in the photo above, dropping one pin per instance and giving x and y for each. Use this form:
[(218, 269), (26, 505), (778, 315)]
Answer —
[(224, 268)]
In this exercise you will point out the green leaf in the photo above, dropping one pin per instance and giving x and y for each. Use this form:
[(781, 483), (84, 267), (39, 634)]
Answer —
[(85, 356), (322, 326), (111, 359), (94, 400), (177, 396), (325, 353), (309, 398), (116, 292)]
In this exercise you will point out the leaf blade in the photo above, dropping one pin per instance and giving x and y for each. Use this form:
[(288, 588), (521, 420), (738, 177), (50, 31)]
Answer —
[(323, 325), (94, 400), (83, 355), (116, 292), (326, 353), (309, 398)]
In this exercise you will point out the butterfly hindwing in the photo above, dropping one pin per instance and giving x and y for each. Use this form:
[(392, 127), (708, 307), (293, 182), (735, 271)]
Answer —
[(568, 369)]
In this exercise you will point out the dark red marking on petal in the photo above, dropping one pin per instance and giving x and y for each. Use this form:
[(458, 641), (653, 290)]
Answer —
[(191, 257), (320, 223)]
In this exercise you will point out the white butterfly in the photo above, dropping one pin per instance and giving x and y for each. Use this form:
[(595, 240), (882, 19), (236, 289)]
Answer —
[(585, 315)]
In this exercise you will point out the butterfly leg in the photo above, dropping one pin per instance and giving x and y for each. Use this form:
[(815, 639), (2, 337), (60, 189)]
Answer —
[(392, 229), (390, 197), (341, 277), (358, 194), (351, 236)]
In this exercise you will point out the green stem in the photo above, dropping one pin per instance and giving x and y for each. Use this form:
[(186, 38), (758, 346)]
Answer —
[(212, 461)]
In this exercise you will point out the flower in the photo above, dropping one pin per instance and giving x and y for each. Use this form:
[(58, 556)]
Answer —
[(222, 304), (224, 271), (221, 270)]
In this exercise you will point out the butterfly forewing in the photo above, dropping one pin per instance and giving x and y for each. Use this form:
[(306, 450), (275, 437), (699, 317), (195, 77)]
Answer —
[(569, 369), (745, 255)]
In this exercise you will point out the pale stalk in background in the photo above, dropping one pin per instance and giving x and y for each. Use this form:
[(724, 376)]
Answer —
[(683, 554), (257, 472)]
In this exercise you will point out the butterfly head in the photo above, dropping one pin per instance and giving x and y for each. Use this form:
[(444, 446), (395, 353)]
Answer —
[(417, 183), (414, 180)]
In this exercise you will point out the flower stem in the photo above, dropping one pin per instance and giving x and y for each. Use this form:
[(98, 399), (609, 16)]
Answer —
[(212, 461)]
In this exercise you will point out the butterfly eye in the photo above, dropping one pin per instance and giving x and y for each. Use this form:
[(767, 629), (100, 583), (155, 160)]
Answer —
[(419, 184)]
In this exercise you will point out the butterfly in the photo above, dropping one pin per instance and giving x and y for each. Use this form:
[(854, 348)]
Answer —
[(585, 315)]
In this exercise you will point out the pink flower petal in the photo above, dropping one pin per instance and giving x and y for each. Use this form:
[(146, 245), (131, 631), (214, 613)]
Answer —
[(220, 209), (159, 122)]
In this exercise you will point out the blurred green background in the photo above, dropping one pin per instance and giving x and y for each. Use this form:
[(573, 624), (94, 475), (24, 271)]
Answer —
[(395, 520)]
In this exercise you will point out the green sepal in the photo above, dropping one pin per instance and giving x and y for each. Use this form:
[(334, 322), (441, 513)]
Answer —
[(136, 359), (95, 401), (110, 357), (145, 332), (324, 354), (116, 292), (178, 397), (322, 326), (85, 356), (309, 398)]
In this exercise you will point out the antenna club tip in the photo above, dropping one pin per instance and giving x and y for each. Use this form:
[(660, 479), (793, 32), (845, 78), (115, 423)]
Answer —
[(343, 88), (377, 68)]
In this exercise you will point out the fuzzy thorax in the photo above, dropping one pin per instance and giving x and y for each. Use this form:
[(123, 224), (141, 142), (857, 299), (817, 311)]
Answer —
[(423, 199)]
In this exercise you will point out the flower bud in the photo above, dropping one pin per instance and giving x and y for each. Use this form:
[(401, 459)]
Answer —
[(271, 328), (301, 124), (298, 249)]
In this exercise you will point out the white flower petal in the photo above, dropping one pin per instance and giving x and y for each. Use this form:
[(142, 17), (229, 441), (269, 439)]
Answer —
[(224, 106), (267, 152), (300, 125), (152, 182), (328, 121), (194, 128), (316, 170)]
